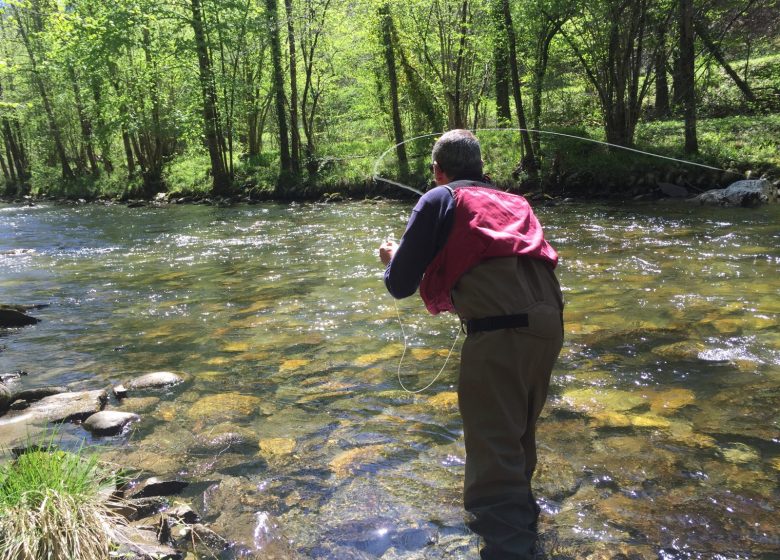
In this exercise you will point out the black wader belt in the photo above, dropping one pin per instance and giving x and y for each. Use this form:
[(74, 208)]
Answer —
[(494, 323)]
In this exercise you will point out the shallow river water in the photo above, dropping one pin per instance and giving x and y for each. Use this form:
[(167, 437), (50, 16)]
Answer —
[(660, 439)]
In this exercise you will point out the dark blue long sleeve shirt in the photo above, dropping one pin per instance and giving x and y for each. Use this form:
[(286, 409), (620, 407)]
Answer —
[(426, 233)]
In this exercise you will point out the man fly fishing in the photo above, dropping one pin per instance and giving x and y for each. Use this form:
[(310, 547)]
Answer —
[(481, 252)]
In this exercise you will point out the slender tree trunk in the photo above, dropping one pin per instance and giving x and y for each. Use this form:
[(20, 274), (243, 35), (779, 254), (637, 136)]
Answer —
[(662, 109), (105, 147), (501, 65), (157, 150), (128, 151), (17, 160), (529, 160), (271, 9), (295, 136), (540, 71), (743, 86), (386, 24), (687, 69), (10, 177), (221, 180), (84, 122)]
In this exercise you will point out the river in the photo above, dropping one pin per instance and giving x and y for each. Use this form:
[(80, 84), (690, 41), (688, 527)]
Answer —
[(661, 435)]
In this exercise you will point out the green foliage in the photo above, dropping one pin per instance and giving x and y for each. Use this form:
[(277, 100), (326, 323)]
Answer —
[(119, 84), (188, 174), (54, 504)]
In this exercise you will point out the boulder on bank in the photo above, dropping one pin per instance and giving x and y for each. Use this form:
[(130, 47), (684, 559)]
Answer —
[(749, 193)]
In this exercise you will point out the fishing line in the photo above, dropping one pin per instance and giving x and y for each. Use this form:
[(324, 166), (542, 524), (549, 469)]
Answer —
[(377, 177), (406, 346)]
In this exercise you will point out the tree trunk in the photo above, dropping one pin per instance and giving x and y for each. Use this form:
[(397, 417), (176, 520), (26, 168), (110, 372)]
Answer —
[(386, 29), (221, 180), (295, 136), (528, 161), (687, 69), (662, 109), (544, 39), (10, 177), (17, 159), (271, 9), (105, 147), (84, 122), (501, 66), (743, 86)]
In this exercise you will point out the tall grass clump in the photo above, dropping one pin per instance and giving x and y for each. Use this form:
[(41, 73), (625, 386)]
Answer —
[(54, 505)]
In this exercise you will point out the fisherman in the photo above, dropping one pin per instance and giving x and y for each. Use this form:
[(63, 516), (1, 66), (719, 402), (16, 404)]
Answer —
[(480, 252)]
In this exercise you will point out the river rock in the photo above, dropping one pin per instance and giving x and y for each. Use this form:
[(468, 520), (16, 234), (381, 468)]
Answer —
[(38, 393), (672, 190), (138, 508), (142, 544), (109, 422), (154, 380), (157, 487), (5, 397), (750, 192), (224, 406), (63, 407), (11, 318)]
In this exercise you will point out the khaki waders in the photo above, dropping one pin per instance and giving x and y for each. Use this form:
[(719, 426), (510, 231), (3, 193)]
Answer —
[(504, 377)]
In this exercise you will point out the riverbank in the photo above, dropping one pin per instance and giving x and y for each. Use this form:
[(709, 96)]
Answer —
[(575, 163)]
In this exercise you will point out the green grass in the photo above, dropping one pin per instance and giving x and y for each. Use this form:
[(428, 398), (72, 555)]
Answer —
[(55, 505)]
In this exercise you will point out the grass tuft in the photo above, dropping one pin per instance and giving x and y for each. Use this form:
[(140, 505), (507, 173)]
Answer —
[(56, 505)]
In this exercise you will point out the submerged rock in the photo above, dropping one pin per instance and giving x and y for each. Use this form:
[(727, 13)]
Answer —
[(224, 406), (276, 447)]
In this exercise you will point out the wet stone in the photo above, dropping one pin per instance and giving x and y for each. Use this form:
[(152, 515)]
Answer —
[(555, 478), (5, 397), (154, 380), (109, 422), (157, 487), (63, 407), (224, 406), (38, 393)]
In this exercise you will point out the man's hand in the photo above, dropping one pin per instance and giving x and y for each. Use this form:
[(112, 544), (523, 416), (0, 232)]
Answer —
[(386, 251)]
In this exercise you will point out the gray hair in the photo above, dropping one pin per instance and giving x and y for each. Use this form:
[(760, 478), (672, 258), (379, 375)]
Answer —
[(457, 153)]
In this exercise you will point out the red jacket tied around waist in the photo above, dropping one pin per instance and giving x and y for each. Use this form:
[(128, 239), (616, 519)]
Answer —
[(488, 224)]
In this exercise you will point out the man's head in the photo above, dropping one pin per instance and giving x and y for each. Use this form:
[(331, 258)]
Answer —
[(458, 156)]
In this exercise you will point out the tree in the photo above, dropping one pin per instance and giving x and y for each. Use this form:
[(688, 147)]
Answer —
[(295, 136), (687, 64), (29, 24), (271, 9), (609, 39), (386, 33), (211, 121), (528, 161)]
